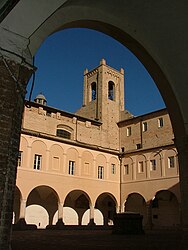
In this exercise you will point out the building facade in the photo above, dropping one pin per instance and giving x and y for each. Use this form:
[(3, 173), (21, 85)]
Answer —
[(82, 168)]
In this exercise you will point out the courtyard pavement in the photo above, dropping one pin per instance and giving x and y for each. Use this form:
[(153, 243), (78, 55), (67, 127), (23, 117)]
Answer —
[(95, 239)]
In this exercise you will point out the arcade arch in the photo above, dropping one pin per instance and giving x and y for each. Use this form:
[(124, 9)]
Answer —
[(165, 210), (136, 203), (79, 201), (42, 203), (107, 204)]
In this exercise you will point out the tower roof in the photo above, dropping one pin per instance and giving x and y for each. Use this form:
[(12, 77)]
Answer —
[(41, 99), (40, 96)]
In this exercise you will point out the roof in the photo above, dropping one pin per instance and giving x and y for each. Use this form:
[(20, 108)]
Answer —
[(40, 96)]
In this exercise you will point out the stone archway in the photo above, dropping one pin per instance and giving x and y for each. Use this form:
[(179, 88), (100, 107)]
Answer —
[(107, 204), (79, 201), (42, 203), (165, 210), (137, 204), (147, 30)]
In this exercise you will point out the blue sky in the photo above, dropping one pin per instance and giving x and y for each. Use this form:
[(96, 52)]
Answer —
[(61, 61)]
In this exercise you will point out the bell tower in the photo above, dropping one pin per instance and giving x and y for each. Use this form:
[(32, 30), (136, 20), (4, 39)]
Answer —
[(103, 92), (103, 99)]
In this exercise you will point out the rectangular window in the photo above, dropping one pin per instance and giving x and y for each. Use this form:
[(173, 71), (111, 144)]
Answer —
[(71, 167), (100, 172), (140, 167), (171, 162), (160, 122), (63, 133), (128, 131), (37, 162), (20, 158), (113, 168), (153, 166), (126, 169), (144, 126)]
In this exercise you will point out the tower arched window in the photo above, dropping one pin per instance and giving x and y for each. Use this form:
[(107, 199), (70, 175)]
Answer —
[(93, 91), (111, 88), (63, 133)]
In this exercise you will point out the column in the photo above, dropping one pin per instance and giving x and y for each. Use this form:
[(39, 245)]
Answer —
[(21, 222), (13, 82), (91, 215), (60, 215), (120, 209), (22, 209), (149, 215), (182, 146)]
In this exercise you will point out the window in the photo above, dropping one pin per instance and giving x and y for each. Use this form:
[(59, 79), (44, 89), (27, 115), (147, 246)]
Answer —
[(37, 162), (71, 167), (171, 162), (100, 172), (126, 169), (138, 146), (110, 90), (144, 126), (113, 167), (20, 158), (140, 167), (160, 122), (153, 166), (93, 91), (122, 149), (128, 131), (63, 133)]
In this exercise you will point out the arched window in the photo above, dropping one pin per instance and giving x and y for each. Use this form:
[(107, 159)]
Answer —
[(63, 133), (110, 90), (93, 91)]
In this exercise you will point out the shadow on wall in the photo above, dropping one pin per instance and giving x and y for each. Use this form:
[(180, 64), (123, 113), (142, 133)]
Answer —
[(162, 212)]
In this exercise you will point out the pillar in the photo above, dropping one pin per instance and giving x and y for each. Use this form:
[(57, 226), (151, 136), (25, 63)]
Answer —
[(60, 215), (13, 82), (148, 215), (182, 147), (21, 224), (22, 209), (91, 216)]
